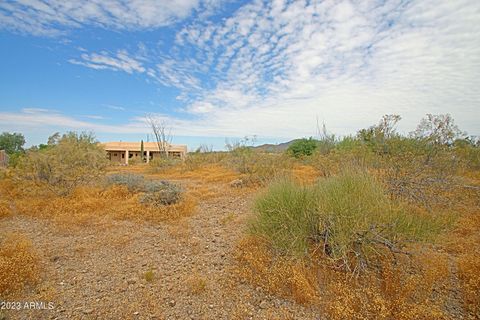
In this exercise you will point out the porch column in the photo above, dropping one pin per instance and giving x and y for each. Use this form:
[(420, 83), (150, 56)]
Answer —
[(148, 156), (126, 156)]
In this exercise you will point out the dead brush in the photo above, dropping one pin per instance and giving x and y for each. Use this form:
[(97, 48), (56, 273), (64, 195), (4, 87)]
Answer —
[(19, 265), (407, 289), (283, 276), (196, 284), (410, 289)]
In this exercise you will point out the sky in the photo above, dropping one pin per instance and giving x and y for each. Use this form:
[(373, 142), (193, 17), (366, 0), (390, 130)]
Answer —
[(216, 70)]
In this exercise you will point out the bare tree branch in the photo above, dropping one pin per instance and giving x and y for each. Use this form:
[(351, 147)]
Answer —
[(161, 131)]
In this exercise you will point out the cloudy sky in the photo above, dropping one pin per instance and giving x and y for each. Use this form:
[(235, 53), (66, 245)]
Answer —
[(227, 69)]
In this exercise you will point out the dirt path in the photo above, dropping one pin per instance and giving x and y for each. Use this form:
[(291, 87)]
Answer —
[(125, 270)]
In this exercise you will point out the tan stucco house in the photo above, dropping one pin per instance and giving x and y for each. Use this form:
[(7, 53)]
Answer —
[(121, 152)]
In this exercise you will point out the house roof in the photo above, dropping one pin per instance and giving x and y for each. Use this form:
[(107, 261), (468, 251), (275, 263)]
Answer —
[(136, 146)]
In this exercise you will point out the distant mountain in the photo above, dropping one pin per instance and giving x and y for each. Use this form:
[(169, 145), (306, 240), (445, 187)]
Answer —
[(268, 147)]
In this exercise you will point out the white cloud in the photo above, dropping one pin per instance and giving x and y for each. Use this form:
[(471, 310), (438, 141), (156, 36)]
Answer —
[(49, 18), (114, 107), (95, 117), (34, 110), (278, 65), (121, 61)]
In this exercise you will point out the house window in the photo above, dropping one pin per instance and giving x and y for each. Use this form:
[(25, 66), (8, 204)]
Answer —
[(123, 155), (114, 154)]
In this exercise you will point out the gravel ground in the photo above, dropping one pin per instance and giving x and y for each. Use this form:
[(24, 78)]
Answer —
[(125, 270)]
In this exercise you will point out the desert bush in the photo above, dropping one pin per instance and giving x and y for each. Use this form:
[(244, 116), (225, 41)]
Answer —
[(468, 154), (74, 160), (161, 193), (438, 129), (376, 137), (134, 182), (286, 215), (347, 217), (156, 192), (415, 173), (19, 265), (302, 147)]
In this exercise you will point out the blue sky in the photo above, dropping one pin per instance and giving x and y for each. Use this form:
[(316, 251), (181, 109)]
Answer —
[(227, 69)]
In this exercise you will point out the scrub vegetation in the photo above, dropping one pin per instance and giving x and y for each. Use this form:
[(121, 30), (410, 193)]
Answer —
[(378, 225)]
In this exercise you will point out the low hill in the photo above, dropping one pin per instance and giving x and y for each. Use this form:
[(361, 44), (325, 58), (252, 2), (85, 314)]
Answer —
[(268, 147)]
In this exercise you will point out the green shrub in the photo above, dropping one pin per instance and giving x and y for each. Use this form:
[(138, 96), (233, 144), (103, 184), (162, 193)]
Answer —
[(302, 147), (286, 216), (74, 160), (347, 217)]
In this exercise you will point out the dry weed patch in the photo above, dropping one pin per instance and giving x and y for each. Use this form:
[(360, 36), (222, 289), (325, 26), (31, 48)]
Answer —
[(87, 205), (407, 289), (196, 284), (4, 208), (469, 275), (19, 265), (286, 277)]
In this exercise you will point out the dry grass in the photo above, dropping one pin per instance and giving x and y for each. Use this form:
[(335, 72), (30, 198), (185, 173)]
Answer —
[(4, 208), (286, 277), (196, 284), (207, 173), (469, 275), (410, 289), (464, 242), (305, 174), (89, 205), (19, 265)]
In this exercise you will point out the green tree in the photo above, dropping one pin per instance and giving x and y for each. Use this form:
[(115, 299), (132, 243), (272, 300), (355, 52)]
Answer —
[(303, 147), (12, 142)]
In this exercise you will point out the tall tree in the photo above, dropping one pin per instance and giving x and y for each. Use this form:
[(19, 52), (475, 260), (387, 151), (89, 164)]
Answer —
[(12, 142)]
